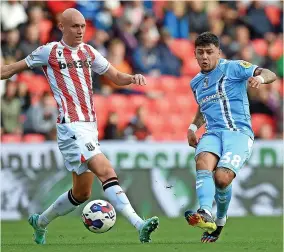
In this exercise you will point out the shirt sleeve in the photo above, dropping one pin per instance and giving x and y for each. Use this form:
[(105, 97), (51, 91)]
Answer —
[(38, 57), (100, 64), (241, 69)]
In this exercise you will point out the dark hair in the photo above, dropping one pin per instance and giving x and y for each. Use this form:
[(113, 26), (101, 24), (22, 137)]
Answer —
[(207, 38)]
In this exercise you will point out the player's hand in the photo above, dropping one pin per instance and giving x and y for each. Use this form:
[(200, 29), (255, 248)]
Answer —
[(254, 82), (138, 79), (191, 138)]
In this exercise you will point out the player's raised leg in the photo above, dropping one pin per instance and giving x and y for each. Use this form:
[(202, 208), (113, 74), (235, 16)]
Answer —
[(101, 166), (205, 189), (65, 203)]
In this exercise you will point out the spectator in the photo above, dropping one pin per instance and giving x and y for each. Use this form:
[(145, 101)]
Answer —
[(10, 48), (176, 19), (198, 19), (24, 96), (257, 20), (111, 131), (125, 30), (12, 14), (146, 57), (41, 117), (137, 129), (98, 41), (171, 64), (31, 41), (36, 17), (11, 110)]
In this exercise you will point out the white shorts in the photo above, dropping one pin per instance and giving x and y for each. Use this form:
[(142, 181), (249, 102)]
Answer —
[(78, 142)]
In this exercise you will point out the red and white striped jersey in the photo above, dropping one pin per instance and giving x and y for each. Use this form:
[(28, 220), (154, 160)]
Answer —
[(68, 71)]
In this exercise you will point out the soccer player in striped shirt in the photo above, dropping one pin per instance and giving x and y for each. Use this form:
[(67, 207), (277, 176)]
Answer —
[(67, 65), (220, 90)]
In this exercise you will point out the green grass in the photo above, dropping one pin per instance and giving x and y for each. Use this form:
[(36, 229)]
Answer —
[(69, 235)]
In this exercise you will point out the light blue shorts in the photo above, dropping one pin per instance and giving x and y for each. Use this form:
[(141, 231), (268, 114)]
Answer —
[(232, 147)]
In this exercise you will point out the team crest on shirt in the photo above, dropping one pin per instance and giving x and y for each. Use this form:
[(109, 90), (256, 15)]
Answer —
[(245, 64), (206, 82)]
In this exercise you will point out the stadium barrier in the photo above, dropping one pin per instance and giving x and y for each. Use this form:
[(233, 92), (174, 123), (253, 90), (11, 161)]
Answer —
[(159, 178)]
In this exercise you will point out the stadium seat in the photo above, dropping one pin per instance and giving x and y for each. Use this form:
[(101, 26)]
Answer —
[(11, 138), (160, 106), (190, 67), (90, 31), (273, 13), (136, 101), (118, 103), (276, 50), (183, 86), (100, 103), (260, 119), (260, 46), (45, 28), (33, 138), (182, 48), (168, 84)]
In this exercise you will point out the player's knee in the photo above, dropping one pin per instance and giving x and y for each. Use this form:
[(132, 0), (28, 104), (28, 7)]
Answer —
[(223, 177), (82, 195), (201, 164)]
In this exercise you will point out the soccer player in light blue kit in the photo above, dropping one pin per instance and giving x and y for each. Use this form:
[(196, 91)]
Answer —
[(220, 90)]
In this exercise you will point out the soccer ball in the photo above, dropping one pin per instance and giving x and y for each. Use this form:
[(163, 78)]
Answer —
[(98, 216)]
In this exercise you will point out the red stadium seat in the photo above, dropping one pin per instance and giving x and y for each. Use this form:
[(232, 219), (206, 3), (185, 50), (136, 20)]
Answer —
[(273, 13), (118, 103), (33, 138), (260, 119), (136, 101), (276, 50), (168, 84), (90, 31), (182, 48), (45, 28), (161, 106), (11, 138), (190, 67), (183, 86), (100, 103), (260, 46)]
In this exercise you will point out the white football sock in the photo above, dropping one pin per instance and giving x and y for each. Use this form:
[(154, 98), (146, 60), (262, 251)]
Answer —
[(221, 222), (120, 202), (60, 207)]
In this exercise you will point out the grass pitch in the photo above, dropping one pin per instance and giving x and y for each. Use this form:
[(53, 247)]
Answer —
[(68, 234)]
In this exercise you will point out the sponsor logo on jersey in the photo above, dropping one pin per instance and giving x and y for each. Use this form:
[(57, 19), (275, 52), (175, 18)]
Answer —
[(75, 64), (245, 64)]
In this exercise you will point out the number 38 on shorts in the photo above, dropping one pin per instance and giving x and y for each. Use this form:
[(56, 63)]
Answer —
[(232, 147)]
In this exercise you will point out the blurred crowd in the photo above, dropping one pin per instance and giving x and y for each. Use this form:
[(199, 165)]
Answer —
[(154, 38)]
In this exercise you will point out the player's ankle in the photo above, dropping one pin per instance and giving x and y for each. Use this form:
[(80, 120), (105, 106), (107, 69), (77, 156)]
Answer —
[(221, 221), (207, 211)]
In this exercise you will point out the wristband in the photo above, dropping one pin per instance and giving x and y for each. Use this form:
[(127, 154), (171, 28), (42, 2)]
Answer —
[(193, 127), (261, 78)]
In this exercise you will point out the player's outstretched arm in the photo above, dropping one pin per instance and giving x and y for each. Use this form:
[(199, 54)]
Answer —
[(197, 122), (7, 71), (122, 79), (261, 76)]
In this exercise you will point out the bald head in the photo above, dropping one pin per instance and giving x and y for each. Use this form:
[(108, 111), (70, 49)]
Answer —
[(73, 25), (69, 14)]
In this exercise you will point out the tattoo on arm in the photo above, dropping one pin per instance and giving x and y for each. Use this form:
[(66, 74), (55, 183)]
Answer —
[(198, 119), (267, 75)]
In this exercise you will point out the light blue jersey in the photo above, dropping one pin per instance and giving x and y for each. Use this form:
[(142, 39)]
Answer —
[(222, 96)]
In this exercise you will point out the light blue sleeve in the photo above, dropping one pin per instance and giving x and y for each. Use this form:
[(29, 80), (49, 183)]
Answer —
[(240, 69)]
